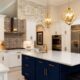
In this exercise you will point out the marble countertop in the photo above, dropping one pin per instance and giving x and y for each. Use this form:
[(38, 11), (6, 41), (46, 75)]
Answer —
[(66, 58), (3, 68)]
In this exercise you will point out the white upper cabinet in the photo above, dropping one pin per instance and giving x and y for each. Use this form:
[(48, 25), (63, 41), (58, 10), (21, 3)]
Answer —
[(31, 29)]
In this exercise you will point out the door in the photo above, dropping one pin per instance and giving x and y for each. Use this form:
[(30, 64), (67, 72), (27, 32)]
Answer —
[(41, 70)]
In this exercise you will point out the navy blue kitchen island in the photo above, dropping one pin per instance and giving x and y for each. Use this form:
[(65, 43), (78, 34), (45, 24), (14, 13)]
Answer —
[(37, 66)]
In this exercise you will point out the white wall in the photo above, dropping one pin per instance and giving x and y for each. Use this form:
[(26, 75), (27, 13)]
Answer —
[(2, 27), (59, 27)]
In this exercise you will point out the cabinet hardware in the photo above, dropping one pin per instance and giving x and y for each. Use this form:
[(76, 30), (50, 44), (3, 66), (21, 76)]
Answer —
[(26, 74), (46, 71), (2, 58), (18, 56), (26, 65), (26, 58), (51, 65), (40, 61), (18, 52)]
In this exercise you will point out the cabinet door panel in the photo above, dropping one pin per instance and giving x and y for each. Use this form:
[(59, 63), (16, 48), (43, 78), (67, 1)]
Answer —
[(41, 70), (28, 67), (14, 60), (53, 71), (26, 59)]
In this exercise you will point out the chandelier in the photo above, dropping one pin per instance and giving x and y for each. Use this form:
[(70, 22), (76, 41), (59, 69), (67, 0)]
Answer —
[(69, 16), (47, 19)]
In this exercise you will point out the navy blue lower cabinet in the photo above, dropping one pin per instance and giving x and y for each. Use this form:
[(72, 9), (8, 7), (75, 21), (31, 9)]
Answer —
[(46, 70), (53, 71), (66, 71), (38, 69), (28, 67), (41, 69)]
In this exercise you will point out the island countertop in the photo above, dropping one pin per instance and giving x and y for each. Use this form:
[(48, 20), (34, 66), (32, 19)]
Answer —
[(61, 57)]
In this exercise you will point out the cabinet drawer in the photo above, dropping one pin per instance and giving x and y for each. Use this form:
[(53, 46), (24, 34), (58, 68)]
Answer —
[(28, 70), (26, 58), (39, 61), (53, 65), (28, 65)]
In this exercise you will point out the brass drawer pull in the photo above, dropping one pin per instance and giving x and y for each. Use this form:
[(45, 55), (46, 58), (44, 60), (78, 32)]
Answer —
[(26, 58), (18, 56), (51, 65), (26, 65), (2, 58), (40, 61), (46, 71), (26, 74)]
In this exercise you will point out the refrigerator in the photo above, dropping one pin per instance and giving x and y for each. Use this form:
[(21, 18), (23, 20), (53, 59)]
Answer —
[(75, 38)]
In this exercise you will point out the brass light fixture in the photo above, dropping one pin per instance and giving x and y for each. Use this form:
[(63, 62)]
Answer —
[(47, 19), (69, 16)]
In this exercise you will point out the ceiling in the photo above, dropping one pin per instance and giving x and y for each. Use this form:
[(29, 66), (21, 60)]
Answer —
[(52, 2), (8, 7)]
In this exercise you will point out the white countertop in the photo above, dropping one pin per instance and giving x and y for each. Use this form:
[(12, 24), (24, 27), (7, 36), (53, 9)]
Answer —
[(3, 68), (66, 58)]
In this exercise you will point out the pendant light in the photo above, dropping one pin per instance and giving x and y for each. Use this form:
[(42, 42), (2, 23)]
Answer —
[(47, 19), (69, 15)]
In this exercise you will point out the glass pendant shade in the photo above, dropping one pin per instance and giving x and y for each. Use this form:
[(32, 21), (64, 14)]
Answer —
[(69, 16), (47, 21)]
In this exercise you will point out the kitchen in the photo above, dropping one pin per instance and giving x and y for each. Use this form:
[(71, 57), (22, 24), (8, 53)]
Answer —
[(22, 21)]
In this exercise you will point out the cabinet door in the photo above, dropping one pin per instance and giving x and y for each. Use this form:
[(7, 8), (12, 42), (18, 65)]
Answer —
[(28, 67), (64, 72), (31, 29), (41, 70), (15, 59), (4, 59), (53, 71)]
